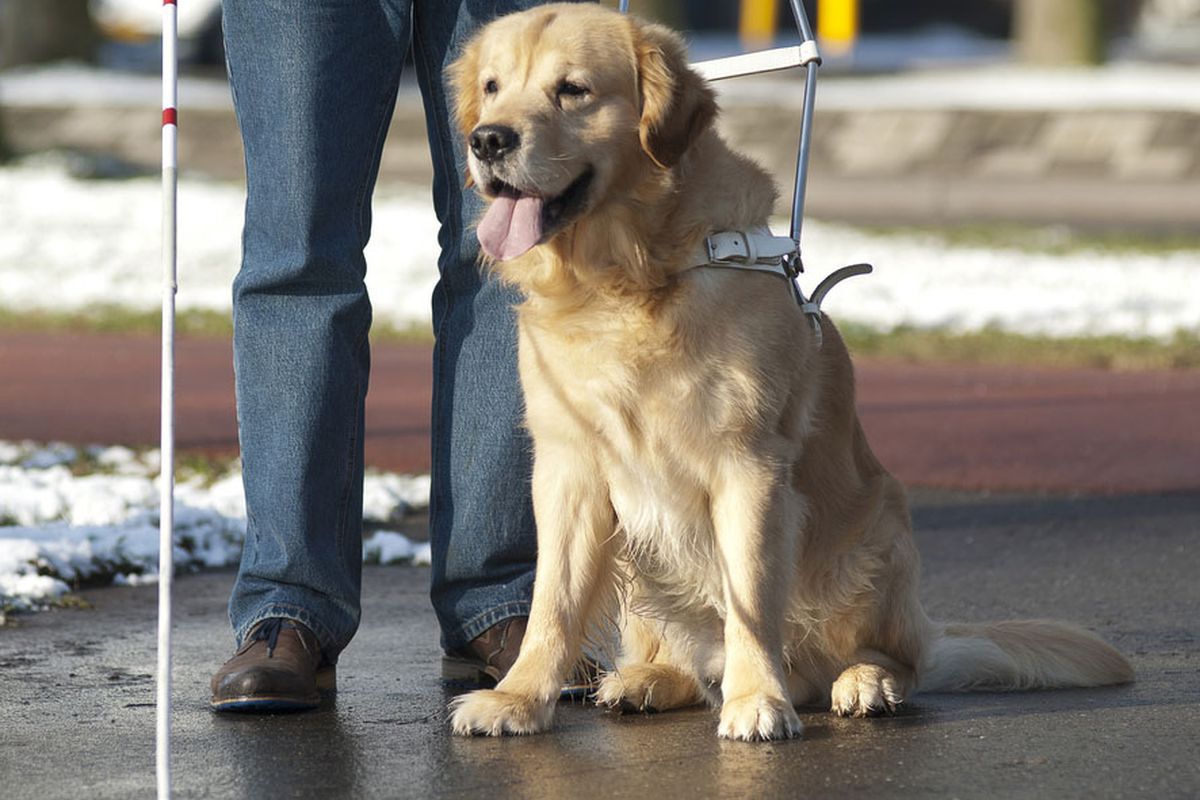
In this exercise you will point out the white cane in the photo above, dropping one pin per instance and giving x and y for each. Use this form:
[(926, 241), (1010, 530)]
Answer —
[(166, 525)]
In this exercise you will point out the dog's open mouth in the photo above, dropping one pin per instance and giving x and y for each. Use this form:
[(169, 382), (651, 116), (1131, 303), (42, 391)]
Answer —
[(516, 221)]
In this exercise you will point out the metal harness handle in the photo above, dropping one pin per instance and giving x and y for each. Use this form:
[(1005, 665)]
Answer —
[(812, 306), (790, 264)]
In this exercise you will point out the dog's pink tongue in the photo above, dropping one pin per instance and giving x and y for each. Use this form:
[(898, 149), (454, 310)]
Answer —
[(511, 226)]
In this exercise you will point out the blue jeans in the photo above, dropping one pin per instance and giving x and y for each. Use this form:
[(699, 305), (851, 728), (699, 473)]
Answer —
[(314, 86)]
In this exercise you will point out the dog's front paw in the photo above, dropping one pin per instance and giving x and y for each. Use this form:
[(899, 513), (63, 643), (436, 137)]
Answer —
[(758, 717), (865, 690), (495, 713), (647, 687)]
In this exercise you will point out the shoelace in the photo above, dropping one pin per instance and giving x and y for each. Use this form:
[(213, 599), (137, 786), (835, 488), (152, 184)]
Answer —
[(269, 632)]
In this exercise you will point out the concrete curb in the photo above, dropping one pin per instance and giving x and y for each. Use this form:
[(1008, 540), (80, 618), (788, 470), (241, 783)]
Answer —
[(1137, 167)]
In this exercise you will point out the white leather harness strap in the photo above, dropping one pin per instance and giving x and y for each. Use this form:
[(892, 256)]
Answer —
[(757, 250), (760, 251)]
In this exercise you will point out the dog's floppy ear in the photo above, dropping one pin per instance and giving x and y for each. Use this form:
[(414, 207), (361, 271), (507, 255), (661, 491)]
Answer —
[(677, 104), (462, 76)]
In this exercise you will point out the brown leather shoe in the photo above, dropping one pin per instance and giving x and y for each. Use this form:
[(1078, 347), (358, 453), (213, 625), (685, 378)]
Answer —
[(487, 658), (278, 668)]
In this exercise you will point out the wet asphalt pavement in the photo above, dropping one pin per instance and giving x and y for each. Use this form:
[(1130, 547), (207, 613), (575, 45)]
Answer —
[(77, 697)]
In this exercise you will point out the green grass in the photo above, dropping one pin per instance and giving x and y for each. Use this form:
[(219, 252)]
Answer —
[(75, 601), (1000, 347), (384, 332), (1052, 239), (113, 319), (188, 466), (198, 323), (905, 344), (198, 467)]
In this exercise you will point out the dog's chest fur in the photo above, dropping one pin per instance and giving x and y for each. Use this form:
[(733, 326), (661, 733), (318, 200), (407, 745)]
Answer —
[(663, 506), (653, 418)]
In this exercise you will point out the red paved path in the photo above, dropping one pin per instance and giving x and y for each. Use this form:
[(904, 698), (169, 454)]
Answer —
[(933, 425)]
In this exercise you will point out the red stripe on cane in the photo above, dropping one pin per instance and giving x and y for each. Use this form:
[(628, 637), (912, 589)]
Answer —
[(168, 2), (169, 117)]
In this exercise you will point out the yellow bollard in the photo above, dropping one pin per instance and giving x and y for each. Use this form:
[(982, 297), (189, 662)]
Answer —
[(837, 25), (756, 27)]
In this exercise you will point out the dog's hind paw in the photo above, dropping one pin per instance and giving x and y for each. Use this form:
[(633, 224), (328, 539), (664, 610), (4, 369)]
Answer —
[(647, 687), (758, 717), (494, 713), (865, 690)]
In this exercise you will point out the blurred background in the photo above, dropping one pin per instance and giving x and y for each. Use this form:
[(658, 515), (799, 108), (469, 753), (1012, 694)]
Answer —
[(1023, 174), (972, 149)]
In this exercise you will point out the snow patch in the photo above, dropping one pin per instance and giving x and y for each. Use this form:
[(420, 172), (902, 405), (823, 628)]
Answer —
[(389, 547), (58, 529), (69, 245), (96, 243)]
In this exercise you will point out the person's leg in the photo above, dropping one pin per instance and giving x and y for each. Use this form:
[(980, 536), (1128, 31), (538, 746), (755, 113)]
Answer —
[(481, 518), (314, 87)]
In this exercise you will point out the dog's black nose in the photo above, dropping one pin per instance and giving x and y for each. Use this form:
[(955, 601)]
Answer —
[(491, 142)]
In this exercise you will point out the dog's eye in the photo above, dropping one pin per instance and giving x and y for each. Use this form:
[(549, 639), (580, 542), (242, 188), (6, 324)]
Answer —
[(491, 87), (570, 89)]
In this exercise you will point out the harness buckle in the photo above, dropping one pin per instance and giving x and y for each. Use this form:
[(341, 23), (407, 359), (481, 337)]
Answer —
[(745, 248), (730, 259)]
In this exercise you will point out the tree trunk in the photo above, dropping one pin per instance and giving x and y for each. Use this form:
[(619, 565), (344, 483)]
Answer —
[(668, 12), (1060, 32), (32, 31), (5, 152)]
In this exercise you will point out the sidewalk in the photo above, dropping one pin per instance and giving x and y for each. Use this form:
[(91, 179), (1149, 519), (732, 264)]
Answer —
[(77, 709), (943, 426), (1114, 146)]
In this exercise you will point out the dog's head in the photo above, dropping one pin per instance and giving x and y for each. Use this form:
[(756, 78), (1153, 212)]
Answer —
[(565, 107)]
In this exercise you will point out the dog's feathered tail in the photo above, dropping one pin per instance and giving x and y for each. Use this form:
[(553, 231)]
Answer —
[(1021, 654)]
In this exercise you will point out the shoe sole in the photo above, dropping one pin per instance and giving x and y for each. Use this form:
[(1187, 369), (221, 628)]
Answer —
[(326, 679), (468, 673), (258, 704)]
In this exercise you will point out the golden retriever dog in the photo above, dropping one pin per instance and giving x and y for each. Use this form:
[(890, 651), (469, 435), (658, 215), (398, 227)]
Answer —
[(701, 483)]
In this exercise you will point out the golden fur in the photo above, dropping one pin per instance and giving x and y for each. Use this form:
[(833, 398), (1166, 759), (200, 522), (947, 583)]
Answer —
[(700, 474)]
